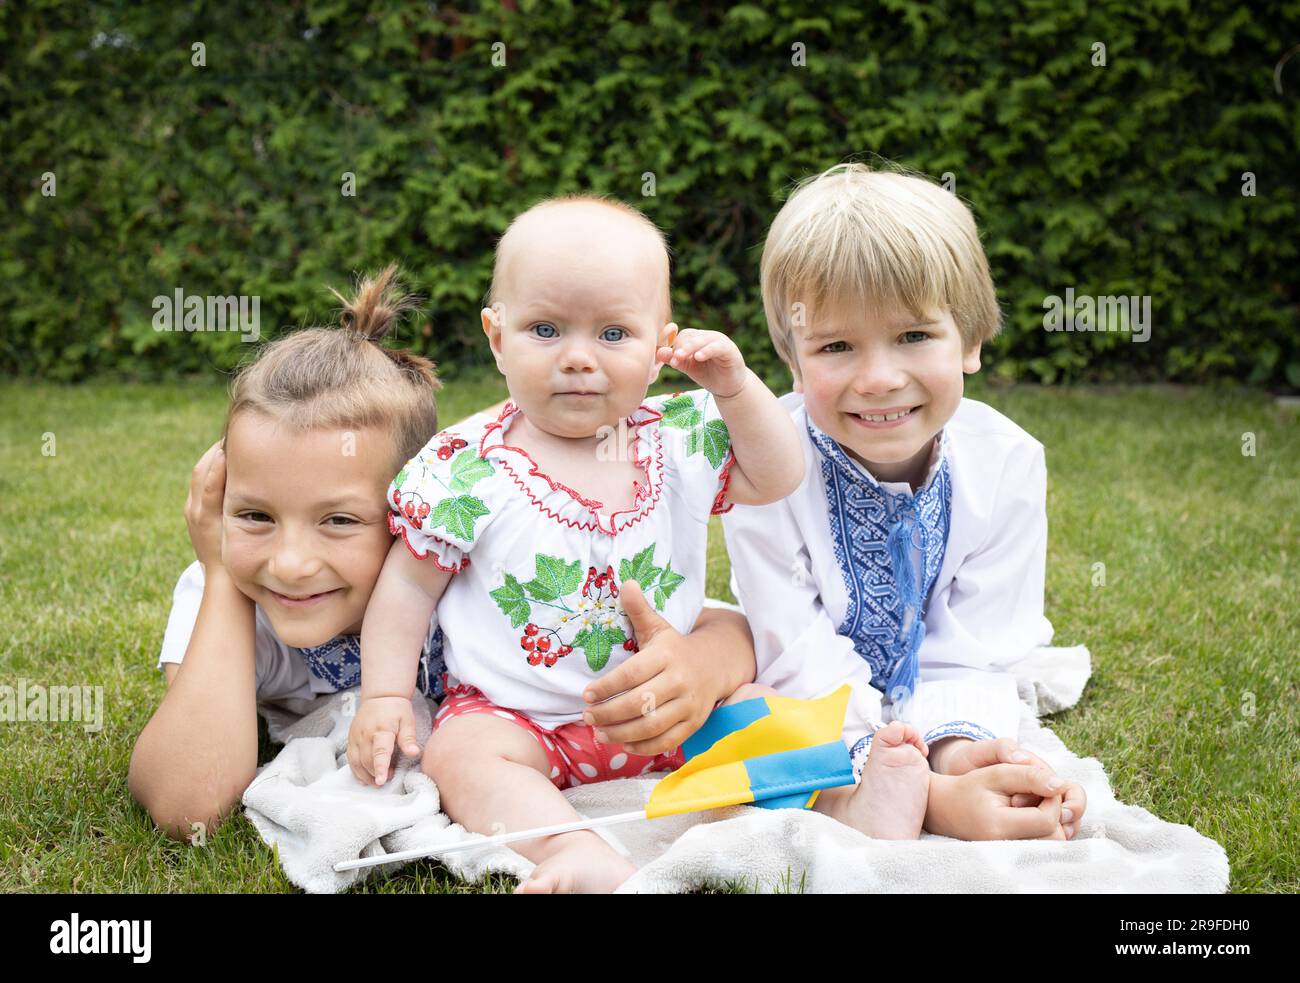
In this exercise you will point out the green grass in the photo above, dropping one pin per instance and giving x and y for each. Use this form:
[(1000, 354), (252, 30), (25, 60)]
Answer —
[(1192, 706)]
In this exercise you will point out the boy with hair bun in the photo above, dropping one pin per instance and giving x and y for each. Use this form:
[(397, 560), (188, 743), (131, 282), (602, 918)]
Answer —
[(288, 521)]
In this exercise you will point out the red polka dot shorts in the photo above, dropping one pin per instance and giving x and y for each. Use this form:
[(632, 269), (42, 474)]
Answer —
[(572, 751)]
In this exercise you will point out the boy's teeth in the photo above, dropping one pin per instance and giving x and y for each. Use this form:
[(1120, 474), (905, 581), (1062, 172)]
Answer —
[(883, 418)]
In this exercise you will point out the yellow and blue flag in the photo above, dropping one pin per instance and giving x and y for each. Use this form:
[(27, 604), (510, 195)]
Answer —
[(774, 751), (777, 752)]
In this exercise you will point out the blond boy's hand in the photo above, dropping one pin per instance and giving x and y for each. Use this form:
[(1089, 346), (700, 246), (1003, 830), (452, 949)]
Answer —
[(380, 722), (966, 756), (977, 805), (709, 358)]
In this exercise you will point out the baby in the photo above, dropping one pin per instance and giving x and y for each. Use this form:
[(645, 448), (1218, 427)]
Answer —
[(579, 489)]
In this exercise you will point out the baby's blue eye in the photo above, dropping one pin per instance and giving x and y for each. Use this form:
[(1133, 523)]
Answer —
[(541, 330), (621, 333), (917, 335), (827, 348)]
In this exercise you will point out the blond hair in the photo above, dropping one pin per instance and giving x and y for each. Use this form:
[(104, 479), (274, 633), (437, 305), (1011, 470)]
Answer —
[(888, 240), (343, 376), (621, 207)]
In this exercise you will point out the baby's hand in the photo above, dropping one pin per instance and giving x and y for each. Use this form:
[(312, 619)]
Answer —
[(709, 358), (379, 720)]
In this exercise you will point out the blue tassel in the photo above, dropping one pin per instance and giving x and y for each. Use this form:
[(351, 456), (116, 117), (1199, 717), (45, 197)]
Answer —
[(902, 683), (900, 545)]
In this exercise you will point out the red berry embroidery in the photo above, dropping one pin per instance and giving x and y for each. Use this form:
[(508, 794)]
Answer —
[(534, 658), (629, 645), (544, 645), (423, 509), (445, 453), (457, 444), (397, 498), (527, 645), (550, 660)]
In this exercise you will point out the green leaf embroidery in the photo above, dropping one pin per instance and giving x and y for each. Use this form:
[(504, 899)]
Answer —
[(680, 412), (669, 581), (596, 643), (715, 441), (640, 568), (554, 579), (400, 479), (712, 438), (458, 515), (466, 469), (512, 602)]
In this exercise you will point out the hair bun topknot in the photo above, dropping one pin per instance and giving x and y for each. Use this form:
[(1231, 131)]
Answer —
[(377, 303)]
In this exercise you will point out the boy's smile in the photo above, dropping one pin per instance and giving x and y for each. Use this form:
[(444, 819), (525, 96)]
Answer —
[(882, 385), (305, 530)]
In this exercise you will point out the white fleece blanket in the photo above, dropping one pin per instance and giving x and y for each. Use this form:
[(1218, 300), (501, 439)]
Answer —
[(307, 805)]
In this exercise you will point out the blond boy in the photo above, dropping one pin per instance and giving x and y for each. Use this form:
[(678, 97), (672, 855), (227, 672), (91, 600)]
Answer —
[(910, 562)]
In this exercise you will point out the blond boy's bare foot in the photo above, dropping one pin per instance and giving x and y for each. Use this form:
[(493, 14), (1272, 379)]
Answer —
[(584, 864), (889, 801)]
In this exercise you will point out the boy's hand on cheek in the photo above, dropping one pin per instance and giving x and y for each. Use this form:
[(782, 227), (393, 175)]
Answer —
[(709, 358), (659, 696), (204, 505)]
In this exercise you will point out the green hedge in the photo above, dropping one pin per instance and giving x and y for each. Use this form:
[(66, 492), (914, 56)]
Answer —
[(225, 179)]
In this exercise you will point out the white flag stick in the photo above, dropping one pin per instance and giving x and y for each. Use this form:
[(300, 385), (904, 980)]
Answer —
[(523, 834)]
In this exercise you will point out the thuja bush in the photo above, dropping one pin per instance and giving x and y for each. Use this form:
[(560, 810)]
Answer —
[(268, 150)]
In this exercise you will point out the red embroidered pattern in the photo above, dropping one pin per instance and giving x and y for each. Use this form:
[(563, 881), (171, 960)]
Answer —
[(397, 528), (651, 489), (718, 507)]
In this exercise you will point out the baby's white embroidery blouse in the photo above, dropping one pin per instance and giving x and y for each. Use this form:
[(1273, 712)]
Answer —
[(532, 615)]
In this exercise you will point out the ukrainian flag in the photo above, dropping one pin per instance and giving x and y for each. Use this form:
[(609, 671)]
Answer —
[(776, 752)]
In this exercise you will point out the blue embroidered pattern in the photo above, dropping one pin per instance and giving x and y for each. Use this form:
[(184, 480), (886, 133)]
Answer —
[(954, 728), (960, 728), (862, 515), (338, 662)]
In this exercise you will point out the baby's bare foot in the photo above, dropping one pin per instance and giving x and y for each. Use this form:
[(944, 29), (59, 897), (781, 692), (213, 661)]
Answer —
[(585, 864), (889, 802)]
